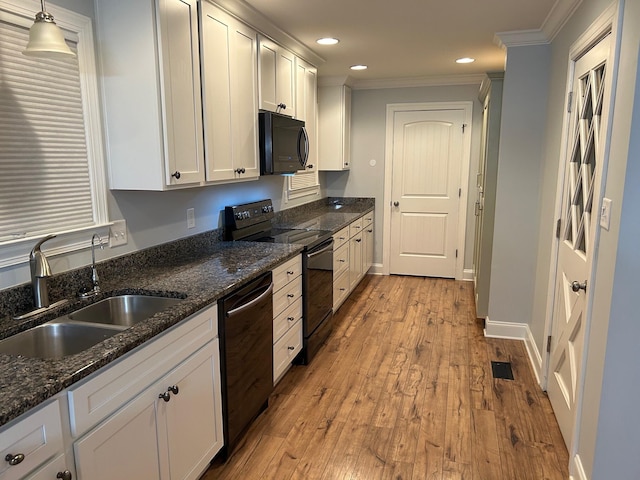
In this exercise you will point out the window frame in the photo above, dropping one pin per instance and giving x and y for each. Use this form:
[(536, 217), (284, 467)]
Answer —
[(78, 28)]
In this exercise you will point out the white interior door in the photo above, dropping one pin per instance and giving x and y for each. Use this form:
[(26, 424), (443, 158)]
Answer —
[(427, 160), (583, 173)]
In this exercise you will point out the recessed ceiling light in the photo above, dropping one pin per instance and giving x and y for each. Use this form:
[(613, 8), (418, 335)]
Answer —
[(465, 60), (327, 41), (358, 67)]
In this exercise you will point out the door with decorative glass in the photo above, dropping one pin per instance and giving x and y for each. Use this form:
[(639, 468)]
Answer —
[(577, 231)]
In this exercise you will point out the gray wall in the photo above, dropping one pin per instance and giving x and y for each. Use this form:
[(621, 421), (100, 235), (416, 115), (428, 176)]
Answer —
[(522, 136), (368, 131)]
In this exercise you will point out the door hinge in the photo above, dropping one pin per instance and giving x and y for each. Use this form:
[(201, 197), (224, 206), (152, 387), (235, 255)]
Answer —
[(549, 344), (569, 101), (459, 192), (558, 227), (456, 253), (464, 125)]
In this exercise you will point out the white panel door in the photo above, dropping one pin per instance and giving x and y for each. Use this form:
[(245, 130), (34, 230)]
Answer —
[(583, 172), (427, 161)]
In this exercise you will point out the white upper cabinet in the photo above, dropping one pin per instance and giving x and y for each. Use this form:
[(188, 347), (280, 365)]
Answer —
[(334, 127), (151, 83), (230, 96), (307, 107), (277, 77)]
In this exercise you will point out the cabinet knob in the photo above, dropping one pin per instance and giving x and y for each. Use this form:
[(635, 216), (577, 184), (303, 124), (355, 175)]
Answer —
[(396, 204), (358, 240), (166, 396), (342, 260), (173, 389), (291, 319), (282, 106), (290, 295), (309, 166), (290, 272), (66, 475), (240, 170), (14, 459), (176, 174), (291, 348)]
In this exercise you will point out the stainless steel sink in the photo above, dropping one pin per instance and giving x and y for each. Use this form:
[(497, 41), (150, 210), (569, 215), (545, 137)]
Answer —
[(56, 339), (123, 310)]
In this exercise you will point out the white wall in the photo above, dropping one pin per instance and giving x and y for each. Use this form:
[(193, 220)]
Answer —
[(522, 136), (368, 131)]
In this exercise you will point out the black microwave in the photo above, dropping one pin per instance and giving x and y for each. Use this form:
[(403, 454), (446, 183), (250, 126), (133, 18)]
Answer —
[(284, 144)]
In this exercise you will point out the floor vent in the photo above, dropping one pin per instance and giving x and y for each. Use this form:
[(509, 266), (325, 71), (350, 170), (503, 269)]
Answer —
[(502, 370)]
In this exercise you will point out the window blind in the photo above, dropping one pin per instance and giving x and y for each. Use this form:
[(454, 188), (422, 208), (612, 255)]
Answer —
[(45, 183)]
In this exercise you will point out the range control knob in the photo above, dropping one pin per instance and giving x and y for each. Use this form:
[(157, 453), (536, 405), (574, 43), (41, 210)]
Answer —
[(238, 215), (246, 214)]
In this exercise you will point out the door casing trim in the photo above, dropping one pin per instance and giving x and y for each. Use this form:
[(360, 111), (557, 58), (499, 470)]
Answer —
[(392, 109)]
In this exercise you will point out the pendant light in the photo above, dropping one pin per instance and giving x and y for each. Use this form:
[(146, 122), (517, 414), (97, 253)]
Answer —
[(45, 38)]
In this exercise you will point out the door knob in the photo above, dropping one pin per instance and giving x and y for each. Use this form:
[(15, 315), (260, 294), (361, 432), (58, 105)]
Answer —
[(577, 286), (396, 204)]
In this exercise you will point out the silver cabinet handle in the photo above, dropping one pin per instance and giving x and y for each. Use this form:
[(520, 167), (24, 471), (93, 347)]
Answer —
[(14, 460)]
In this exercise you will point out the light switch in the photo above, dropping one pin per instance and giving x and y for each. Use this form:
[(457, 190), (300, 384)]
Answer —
[(118, 233), (191, 218), (605, 213)]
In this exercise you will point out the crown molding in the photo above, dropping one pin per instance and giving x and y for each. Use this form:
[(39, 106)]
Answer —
[(558, 16), (520, 38), (335, 81), (249, 15), (428, 81)]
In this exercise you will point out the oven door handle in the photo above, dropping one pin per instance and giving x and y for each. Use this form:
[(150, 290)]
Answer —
[(328, 246), (252, 303)]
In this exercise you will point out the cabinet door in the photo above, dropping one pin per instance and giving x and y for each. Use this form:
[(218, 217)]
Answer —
[(307, 106), (334, 127), (277, 77), (355, 260), (51, 470), (191, 421), (125, 445), (367, 250), (230, 93), (346, 127), (182, 110)]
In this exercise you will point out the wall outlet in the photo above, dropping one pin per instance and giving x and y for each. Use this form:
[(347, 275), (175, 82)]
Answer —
[(118, 233), (191, 218)]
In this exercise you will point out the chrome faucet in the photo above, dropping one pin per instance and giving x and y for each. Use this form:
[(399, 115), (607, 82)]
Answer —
[(40, 272), (95, 279)]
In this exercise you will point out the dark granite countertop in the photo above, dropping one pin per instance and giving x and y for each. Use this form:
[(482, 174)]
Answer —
[(27, 382), (199, 269)]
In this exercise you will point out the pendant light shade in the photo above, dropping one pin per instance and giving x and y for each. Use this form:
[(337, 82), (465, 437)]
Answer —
[(46, 38)]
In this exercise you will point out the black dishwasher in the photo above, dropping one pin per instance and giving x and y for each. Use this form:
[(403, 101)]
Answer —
[(245, 322)]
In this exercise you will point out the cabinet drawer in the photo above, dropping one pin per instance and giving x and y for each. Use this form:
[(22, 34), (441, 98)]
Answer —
[(340, 289), (105, 392), (340, 238), (285, 350), (38, 437), (286, 272), (286, 319), (340, 260), (287, 296), (367, 219), (355, 227)]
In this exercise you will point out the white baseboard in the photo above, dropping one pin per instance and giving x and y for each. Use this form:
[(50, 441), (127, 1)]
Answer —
[(467, 274), (376, 269), (577, 471), (534, 355), (513, 331), (517, 331)]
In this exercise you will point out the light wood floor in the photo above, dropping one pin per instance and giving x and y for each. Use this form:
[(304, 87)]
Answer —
[(403, 390)]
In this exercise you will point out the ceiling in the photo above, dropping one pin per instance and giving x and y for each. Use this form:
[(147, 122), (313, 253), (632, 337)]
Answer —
[(405, 38)]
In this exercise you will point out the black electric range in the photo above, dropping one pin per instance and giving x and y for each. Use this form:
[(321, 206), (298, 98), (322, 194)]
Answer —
[(252, 222)]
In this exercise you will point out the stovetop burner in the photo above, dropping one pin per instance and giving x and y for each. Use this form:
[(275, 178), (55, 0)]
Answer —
[(252, 222)]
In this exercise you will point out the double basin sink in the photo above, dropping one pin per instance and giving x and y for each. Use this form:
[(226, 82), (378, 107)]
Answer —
[(84, 328)]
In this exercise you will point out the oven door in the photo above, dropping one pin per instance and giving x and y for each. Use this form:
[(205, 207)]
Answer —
[(318, 287)]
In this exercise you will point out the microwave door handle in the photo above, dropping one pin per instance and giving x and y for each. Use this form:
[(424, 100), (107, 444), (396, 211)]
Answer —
[(303, 156)]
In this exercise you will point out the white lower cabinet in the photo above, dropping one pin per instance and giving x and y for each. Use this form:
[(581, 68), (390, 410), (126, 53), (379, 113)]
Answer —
[(155, 413), (287, 315), (170, 430), (352, 257), (32, 442)]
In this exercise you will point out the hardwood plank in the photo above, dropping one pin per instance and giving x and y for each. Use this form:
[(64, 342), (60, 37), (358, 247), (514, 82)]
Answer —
[(403, 390)]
